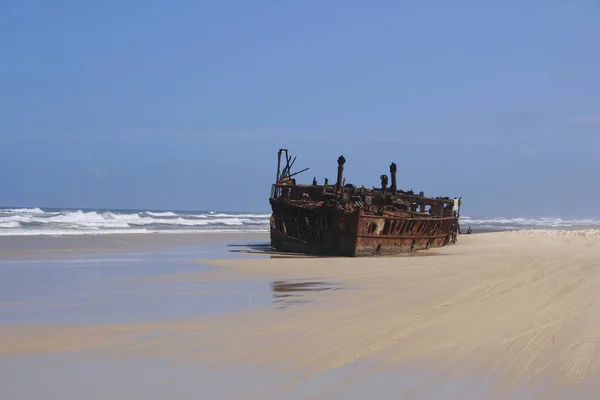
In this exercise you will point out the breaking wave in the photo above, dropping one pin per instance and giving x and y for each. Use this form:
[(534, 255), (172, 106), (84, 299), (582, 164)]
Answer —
[(528, 223), (35, 221)]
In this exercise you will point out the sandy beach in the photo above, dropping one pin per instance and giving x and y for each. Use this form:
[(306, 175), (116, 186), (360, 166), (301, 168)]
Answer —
[(499, 315)]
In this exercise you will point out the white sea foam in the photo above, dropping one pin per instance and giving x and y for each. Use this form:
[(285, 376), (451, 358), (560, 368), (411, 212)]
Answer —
[(528, 222), (22, 210), (583, 233), (35, 221), (161, 214), (10, 224), (187, 222), (242, 215)]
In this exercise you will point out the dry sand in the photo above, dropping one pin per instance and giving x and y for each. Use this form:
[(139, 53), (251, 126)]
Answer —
[(518, 307)]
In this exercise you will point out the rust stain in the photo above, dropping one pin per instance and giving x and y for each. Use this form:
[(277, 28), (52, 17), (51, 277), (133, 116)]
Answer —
[(345, 220)]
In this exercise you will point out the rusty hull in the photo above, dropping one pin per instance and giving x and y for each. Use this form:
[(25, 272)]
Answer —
[(393, 235), (343, 220)]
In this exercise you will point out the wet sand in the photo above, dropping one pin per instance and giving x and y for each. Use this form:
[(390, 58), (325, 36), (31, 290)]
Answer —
[(500, 315), (52, 247)]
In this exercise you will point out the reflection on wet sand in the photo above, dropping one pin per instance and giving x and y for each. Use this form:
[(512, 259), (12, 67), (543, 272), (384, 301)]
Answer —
[(289, 292)]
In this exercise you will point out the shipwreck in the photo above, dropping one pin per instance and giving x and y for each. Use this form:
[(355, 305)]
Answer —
[(345, 220)]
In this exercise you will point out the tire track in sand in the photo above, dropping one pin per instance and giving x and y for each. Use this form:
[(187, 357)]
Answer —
[(582, 355), (400, 332), (518, 353), (490, 294)]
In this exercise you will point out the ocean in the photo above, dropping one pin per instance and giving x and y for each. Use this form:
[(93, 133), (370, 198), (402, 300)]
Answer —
[(59, 222)]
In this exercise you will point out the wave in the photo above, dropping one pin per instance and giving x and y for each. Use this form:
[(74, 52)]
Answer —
[(585, 233), (22, 210), (10, 224), (242, 215), (528, 222), (35, 221), (160, 214)]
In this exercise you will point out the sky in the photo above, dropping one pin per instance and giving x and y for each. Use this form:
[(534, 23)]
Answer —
[(183, 104)]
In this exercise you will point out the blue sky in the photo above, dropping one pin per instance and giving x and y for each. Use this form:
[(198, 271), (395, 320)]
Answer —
[(183, 104)]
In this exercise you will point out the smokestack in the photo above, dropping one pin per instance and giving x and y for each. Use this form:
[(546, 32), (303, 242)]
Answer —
[(393, 169), (341, 160)]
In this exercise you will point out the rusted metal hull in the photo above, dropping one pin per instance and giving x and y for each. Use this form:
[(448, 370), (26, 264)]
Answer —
[(324, 231), (312, 230), (345, 220), (387, 235)]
